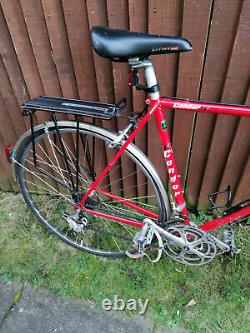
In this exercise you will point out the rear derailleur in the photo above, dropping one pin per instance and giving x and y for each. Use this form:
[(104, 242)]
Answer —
[(229, 239), (75, 221)]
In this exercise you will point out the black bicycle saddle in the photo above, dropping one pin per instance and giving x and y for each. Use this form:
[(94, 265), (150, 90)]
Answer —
[(120, 45)]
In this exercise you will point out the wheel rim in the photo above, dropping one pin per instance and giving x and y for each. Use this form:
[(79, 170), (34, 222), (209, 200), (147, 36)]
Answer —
[(50, 199)]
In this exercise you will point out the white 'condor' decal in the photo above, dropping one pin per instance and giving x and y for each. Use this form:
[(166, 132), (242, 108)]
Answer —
[(186, 106)]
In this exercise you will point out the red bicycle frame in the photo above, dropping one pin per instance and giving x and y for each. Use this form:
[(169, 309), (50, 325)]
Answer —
[(156, 108)]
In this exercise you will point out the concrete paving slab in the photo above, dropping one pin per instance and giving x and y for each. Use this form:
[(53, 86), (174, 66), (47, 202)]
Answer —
[(8, 292), (40, 311)]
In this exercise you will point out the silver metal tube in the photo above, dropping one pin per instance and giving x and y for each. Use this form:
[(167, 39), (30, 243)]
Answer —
[(168, 235), (151, 80), (150, 76)]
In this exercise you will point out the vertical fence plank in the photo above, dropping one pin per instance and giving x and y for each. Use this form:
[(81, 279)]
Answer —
[(238, 155), (118, 18), (75, 13), (97, 15), (29, 56), (19, 34), (60, 50), (235, 87), (38, 35), (8, 136), (223, 25), (243, 188), (138, 21), (11, 62), (12, 107), (60, 55), (77, 25), (165, 19), (196, 19), (20, 38), (6, 177)]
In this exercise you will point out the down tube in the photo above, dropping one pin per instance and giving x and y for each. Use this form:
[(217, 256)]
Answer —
[(171, 165)]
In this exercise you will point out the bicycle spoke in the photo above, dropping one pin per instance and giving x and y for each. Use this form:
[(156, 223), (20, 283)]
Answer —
[(49, 186)]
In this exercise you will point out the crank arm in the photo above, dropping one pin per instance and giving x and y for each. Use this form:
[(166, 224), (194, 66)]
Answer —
[(221, 245), (167, 234)]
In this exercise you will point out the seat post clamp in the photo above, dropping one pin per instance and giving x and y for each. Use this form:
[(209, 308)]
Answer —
[(133, 81)]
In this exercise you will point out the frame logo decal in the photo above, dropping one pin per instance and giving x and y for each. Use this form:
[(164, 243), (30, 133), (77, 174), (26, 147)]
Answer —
[(168, 154), (186, 106)]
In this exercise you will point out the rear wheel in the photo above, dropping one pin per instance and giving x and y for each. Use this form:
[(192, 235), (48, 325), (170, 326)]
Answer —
[(49, 189)]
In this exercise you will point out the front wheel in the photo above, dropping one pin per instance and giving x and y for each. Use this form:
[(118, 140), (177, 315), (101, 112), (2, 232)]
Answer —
[(49, 188)]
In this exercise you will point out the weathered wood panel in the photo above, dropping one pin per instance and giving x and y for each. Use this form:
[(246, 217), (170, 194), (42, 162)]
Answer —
[(223, 24), (234, 91), (195, 14)]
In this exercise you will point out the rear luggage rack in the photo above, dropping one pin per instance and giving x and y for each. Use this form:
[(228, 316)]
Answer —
[(70, 106)]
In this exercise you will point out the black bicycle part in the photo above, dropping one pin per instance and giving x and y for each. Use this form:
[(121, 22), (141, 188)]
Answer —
[(64, 152), (74, 187), (77, 154), (237, 206), (135, 83), (33, 138), (213, 196), (122, 103), (75, 107)]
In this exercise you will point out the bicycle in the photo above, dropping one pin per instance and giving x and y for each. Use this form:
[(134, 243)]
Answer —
[(71, 173)]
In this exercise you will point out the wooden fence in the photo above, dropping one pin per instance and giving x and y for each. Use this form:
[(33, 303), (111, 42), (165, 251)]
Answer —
[(45, 50)]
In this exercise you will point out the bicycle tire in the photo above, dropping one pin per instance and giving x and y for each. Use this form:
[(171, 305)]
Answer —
[(65, 127)]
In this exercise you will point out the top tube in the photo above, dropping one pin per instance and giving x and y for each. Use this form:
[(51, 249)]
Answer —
[(195, 106)]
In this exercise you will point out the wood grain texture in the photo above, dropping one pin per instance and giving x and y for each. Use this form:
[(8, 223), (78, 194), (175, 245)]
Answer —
[(118, 18), (237, 158), (38, 35), (60, 50), (195, 27), (234, 91), (243, 189), (223, 24), (164, 18), (138, 21)]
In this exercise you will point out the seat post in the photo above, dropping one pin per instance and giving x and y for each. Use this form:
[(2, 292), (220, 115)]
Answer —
[(150, 76)]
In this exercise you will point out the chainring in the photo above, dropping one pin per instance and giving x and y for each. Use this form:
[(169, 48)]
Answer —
[(200, 249)]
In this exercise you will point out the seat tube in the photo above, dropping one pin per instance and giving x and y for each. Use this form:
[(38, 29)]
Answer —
[(170, 162)]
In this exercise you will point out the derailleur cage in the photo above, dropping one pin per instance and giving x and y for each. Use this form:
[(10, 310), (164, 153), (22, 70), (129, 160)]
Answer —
[(229, 239), (75, 222)]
